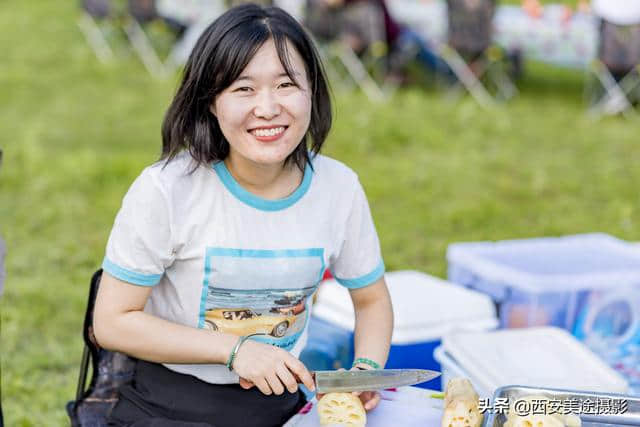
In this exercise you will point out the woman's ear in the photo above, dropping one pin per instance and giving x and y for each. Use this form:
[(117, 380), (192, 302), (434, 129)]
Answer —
[(212, 108)]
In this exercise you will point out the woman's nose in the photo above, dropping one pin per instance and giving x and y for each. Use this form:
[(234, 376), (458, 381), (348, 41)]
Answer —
[(267, 105)]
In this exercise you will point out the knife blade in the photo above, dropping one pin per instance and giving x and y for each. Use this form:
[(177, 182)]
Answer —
[(369, 380)]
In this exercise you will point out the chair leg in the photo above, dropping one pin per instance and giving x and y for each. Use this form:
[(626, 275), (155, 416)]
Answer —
[(328, 56), (82, 378), (630, 82), (614, 99), (466, 76), (628, 85), (504, 85), (332, 73), (141, 44), (358, 72), (95, 38), (591, 87)]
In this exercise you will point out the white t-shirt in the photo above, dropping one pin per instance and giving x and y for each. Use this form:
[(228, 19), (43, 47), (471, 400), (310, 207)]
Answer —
[(220, 257)]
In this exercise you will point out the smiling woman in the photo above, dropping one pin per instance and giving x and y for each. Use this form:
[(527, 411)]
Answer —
[(218, 247)]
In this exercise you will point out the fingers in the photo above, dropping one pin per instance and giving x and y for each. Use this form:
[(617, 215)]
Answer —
[(263, 386), (287, 378), (246, 384), (270, 369), (275, 384), (301, 371), (370, 399)]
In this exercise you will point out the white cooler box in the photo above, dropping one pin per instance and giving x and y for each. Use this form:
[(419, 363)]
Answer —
[(425, 308), (588, 284), (538, 357)]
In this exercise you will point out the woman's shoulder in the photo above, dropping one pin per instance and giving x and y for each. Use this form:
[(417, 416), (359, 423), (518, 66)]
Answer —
[(334, 170), (182, 168)]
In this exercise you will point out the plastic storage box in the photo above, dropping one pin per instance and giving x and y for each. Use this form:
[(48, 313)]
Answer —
[(588, 284), (425, 308), (538, 357)]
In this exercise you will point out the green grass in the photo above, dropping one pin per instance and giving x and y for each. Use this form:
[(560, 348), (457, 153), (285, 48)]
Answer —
[(75, 133)]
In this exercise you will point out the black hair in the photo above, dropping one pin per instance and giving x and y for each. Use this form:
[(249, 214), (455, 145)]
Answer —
[(219, 56)]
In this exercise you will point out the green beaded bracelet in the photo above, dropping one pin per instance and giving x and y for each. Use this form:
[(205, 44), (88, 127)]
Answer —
[(366, 361)]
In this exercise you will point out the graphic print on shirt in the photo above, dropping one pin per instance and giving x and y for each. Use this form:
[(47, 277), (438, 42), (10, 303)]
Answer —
[(260, 292)]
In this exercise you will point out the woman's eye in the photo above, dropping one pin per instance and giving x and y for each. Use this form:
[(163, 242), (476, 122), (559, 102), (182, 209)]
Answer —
[(287, 84), (242, 89)]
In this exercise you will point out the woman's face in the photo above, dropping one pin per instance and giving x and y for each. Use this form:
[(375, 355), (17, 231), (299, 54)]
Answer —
[(263, 114)]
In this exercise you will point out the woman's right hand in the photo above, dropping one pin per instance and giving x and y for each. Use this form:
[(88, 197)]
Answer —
[(270, 368)]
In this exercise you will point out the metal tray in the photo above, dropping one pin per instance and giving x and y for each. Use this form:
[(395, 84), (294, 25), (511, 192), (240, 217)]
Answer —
[(631, 417)]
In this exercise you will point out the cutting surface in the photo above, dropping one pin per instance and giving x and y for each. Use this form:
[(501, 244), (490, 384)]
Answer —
[(406, 407)]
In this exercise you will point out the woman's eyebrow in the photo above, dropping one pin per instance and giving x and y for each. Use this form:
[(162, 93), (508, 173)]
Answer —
[(283, 74), (294, 73)]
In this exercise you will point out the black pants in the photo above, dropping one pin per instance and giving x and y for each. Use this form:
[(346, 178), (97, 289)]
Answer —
[(160, 397)]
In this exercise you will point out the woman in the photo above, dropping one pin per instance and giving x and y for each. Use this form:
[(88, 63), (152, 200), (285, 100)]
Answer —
[(217, 245)]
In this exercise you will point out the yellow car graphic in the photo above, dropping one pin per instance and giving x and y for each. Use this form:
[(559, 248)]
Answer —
[(244, 321)]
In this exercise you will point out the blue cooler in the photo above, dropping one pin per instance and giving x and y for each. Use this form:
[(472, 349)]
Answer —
[(588, 284), (425, 308)]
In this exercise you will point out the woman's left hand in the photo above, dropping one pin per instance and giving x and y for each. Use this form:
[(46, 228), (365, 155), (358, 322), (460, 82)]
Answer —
[(369, 399)]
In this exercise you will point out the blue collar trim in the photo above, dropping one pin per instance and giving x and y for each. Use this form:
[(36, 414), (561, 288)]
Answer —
[(258, 202)]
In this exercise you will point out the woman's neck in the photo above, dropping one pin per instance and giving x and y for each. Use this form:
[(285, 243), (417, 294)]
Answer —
[(267, 181)]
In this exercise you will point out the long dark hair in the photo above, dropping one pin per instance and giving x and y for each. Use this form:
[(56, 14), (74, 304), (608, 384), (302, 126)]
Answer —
[(219, 56)]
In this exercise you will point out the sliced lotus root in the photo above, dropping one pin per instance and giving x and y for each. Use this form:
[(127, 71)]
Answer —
[(341, 409), (461, 405)]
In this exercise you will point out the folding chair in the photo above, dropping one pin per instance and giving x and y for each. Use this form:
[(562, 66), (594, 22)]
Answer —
[(178, 16), (95, 22), (109, 371), (101, 20), (470, 54), (342, 63), (613, 80)]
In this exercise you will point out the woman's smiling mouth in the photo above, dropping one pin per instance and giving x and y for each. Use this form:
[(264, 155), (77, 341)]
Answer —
[(268, 134)]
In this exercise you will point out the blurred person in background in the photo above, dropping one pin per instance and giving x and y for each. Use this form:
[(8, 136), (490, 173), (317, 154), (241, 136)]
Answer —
[(619, 46), (619, 50), (535, 9), (619, 12), (368, 25), (360, 24)]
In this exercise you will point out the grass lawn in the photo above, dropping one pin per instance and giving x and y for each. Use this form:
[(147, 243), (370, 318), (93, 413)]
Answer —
[(75, 133)]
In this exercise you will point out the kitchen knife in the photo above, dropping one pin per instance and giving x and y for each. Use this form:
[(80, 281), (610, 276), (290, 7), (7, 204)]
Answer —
[(369, 380)]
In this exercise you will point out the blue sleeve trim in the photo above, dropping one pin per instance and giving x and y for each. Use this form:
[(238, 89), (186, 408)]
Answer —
[(362, 281), (130, 276)]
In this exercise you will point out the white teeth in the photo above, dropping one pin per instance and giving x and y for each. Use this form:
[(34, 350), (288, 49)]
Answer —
[(268, 132)]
